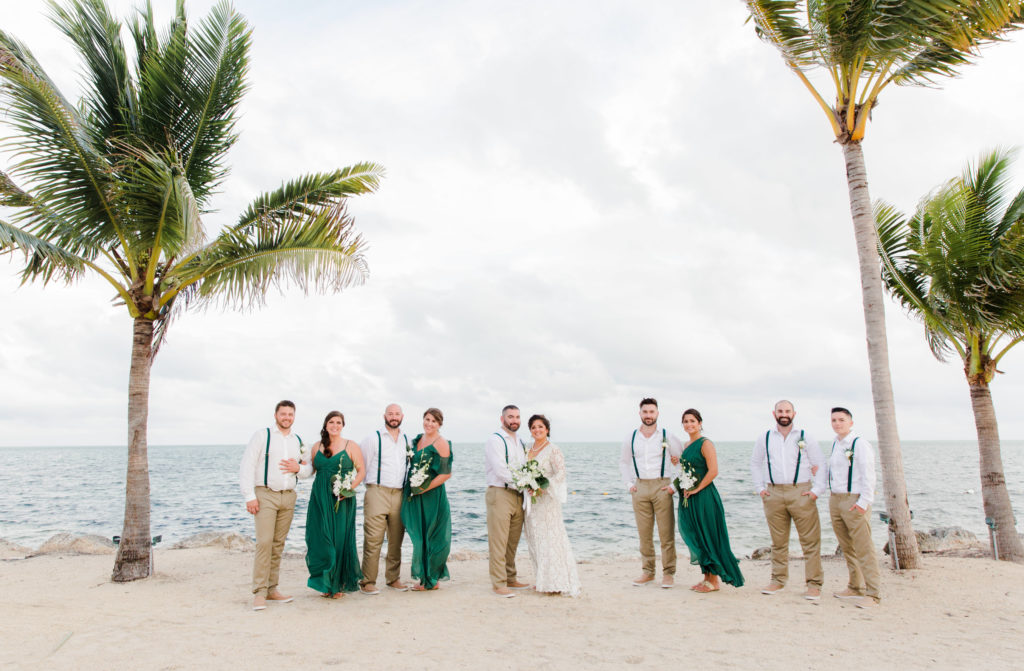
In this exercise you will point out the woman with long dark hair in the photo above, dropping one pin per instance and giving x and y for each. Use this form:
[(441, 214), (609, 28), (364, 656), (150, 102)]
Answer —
[(331, 555)]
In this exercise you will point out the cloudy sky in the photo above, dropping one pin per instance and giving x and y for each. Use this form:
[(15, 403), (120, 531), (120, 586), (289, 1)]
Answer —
[(585, 203)]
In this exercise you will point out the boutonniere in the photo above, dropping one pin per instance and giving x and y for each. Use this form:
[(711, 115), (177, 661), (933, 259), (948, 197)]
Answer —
[(802, 444), (664, 443), (409, 452), (849, 455)]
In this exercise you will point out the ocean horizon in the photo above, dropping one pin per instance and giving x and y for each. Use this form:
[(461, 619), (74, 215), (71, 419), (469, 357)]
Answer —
[(194, 488)]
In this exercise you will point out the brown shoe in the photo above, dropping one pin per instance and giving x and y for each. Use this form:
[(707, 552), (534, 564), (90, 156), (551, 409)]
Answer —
[(771, 589), (517, 585), (369, 589), (813, 593), (868, 602), (667, 581), (848, 594), (259, 603), (504, 592), (643, 580), (398, 585), (278, 597)]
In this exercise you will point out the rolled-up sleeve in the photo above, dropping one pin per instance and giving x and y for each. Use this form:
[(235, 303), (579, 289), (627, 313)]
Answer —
[(247, 469)]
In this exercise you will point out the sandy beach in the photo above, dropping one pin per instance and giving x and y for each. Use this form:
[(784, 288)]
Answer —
[(62, 612)]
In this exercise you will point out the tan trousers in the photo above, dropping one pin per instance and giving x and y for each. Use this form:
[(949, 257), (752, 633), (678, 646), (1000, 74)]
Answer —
[(382, 513), (853, 529), (504, 526), (651, 504), (785, 503), (273, 521)]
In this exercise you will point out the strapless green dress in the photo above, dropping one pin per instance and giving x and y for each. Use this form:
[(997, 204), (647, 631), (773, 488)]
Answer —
[(428, 519), (331, 555), (702, 524)]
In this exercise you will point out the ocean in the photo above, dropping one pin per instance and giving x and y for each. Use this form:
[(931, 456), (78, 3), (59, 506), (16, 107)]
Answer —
[(47, 490)]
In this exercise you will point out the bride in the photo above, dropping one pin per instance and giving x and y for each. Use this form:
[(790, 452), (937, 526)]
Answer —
[(554, 567)]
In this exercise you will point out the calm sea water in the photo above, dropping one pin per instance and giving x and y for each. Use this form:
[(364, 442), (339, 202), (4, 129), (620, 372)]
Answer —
[(46, 490)]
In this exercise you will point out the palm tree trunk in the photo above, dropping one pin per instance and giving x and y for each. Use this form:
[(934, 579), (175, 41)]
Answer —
[(134, 559), (889, 453), (994, 495)]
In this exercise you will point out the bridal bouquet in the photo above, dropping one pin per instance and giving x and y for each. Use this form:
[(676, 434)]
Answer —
[(685, 480), (419, 477), (529, 477), (343, 486)]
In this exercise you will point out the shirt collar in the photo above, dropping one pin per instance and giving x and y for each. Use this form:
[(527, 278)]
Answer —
[(845, 441)]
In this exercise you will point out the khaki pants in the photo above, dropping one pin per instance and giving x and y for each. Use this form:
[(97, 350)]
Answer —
[(853, 529), (273, 521), (504, 526), (651, 504), (382, 512), (785, 503)]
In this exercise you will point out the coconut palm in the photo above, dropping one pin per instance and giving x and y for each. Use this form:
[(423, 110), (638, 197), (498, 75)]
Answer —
[(864, 46), (958, 265), (118, 184)]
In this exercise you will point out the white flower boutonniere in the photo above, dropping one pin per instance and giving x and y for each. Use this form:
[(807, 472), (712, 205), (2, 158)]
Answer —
[(849, 456), (802, 444), (664, 443)]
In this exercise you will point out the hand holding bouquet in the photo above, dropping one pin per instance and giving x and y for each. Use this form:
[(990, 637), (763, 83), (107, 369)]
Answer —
[(529, 477)]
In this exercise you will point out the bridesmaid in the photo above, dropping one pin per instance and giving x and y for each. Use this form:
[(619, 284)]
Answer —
[(701, 515), (331, 555), (425, 511)]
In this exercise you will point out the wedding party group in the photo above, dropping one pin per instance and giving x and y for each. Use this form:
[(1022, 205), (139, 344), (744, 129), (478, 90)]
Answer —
[(526, 488)]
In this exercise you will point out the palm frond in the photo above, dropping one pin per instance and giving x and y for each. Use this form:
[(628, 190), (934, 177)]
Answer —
[(316, 252), (43, 260)]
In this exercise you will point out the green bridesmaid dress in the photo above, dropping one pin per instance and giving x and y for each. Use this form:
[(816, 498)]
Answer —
[(331, 555), (702, 524), (427, 518)]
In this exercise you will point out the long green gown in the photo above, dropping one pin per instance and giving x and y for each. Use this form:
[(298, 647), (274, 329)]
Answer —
[(427, 518), (702, 524), (331, 555)]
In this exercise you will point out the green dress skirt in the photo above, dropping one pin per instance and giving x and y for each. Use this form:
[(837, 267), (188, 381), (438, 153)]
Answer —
[(331, 555), (702, 524), (427, 518)]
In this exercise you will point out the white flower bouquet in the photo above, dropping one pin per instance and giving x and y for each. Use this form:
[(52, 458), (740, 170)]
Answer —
[(685, 480), (343, 486), (419, 478), (529, 477)]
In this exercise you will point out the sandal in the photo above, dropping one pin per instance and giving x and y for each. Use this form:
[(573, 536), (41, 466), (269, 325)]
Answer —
[(704, 587)]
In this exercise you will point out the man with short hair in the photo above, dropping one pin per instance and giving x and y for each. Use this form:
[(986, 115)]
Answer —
[(646, 465), (851, 479), (387, 454), (502, 453), (269, 493), (786, 469)]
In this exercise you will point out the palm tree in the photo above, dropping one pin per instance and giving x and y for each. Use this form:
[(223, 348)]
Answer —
[(864, 46), (118, 184), (958, 265)]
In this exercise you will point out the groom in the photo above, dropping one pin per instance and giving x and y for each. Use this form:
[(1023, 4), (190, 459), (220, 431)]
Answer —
[(645, 464), (503, 452)]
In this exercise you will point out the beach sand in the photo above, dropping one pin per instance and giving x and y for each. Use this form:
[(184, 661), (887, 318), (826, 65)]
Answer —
[(62, 612)]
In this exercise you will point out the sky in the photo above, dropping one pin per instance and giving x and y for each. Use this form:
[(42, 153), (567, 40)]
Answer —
[(585, 203)]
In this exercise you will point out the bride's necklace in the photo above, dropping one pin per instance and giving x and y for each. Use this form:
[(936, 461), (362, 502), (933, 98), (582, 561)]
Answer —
[(535, 450)]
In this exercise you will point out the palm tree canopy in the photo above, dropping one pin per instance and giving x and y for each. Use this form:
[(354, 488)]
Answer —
[(958, 262), (865, 45), (119, 183)]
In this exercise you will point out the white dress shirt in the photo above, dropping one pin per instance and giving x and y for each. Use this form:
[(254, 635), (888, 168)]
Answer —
[(785, 455), (282, 446), (498, 473), (393, 460), (648, 453), (863, 477)]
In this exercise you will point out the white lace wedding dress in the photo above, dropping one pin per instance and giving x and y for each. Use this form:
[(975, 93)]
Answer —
[(554, 567)]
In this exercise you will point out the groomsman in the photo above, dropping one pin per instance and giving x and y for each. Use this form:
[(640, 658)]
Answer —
[(851, 478), (386, 454), (269, 494), (646, 466), (786, 468), (503, 452)]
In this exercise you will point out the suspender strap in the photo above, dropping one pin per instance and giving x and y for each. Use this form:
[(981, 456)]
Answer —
[(768, 454), (849, 474), (378, 457), (799, 454), (830, 455), (632, 450), (266, 459), (505, 443), (663, 440)]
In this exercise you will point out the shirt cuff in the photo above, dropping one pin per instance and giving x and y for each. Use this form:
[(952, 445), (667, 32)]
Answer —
[(863, 503)]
